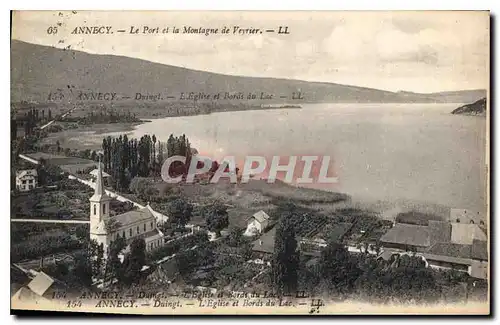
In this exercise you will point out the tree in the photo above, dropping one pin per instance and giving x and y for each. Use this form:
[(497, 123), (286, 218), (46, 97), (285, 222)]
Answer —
[(82, 232), (338, 269), (82, 270), (180, 212), (96, 254), (217, 217), (154, 149), (114, 267), (138, 185), (234, 238), (285, 262), (134, 261)]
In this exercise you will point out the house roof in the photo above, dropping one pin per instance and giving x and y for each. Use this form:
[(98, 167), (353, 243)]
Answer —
[(96, 171), (447, 259), (40, 284), (150, 235), (339, 231), (26, 172), (439, 231), (27, 295), (465, 233), (133, 216), (407, 234), (387, 254), (451, 249), (261, 216), (265, 243), (479, 250)]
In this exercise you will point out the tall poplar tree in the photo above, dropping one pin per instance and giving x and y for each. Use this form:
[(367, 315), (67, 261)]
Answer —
[(285, 262)]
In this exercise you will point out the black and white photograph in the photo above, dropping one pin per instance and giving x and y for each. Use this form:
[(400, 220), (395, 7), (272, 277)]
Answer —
[(250, 162)]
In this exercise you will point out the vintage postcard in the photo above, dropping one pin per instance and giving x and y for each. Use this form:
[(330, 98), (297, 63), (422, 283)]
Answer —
[(250, 162)]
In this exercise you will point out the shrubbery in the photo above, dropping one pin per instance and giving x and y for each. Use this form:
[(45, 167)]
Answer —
[(176, 245), (42, 245)]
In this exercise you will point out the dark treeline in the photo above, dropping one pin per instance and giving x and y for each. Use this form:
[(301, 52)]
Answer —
[(105, 116), (29, 121), (125, 158)]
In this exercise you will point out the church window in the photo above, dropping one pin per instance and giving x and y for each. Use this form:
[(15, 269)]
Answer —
[(151, 225), (137, 229), (104, 208), (130, 231), (95, 209), (144, 227), (123, 234)]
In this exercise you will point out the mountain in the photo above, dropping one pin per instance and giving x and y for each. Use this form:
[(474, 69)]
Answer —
[(461, 96), (476, 108), (38, 70)]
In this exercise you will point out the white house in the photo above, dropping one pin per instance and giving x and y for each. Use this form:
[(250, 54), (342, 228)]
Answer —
[(26, 179), (257, 224), (96, 171)]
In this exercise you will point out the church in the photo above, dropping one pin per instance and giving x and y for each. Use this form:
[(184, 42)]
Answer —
[(129, 225)]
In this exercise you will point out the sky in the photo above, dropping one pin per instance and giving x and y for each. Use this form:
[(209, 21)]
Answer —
[(412, 51)]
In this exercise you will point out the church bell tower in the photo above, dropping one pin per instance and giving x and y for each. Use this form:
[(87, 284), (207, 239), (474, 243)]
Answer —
[(99, 210)]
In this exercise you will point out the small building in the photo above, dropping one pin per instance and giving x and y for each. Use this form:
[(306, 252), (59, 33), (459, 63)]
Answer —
[(264, 246), (38, 290), (418, 238), (466, 233), (96, 171), (317, 239), (443, 245), (257, 224), (26, 180)]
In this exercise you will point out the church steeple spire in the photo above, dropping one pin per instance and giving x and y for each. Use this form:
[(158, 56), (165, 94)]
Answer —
[(99, 184), (100, 195)]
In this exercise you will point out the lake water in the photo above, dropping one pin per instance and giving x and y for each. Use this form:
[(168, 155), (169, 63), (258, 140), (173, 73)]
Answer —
[(380, 151)]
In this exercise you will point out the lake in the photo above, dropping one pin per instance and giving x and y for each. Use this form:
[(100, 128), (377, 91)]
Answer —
[(380, 151)]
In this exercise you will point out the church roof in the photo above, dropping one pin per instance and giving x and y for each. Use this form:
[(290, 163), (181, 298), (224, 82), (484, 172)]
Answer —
[(134, 216), (150, 235)]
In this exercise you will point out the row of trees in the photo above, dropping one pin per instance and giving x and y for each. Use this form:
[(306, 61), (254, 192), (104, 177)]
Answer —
[(30, 119), (105, 116), (125, 158), (180, 212)]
